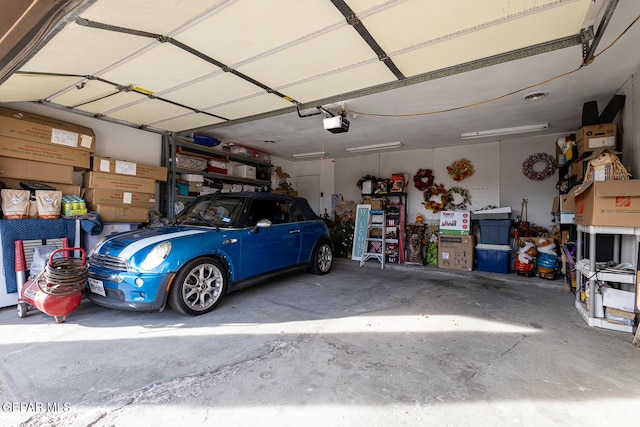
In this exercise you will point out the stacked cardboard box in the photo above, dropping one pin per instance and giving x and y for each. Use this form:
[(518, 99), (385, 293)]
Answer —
[(122, 191), (42, 149), (456, 252)]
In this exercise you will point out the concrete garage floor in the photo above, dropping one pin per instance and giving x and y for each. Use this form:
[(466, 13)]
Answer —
[(404, 346)]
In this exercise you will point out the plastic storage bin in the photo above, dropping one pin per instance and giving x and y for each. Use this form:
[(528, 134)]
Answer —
[(495, 231), (493, 258)]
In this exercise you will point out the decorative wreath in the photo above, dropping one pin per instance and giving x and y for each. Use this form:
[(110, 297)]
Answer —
[(460, 169), (549, 166), (466, 199), (436, 190), (418, 179)]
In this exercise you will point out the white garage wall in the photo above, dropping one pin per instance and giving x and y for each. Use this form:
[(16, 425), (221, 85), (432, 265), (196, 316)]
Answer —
[(497, 180), (484, 184), (514, 186), (348, 172), (324, 169)]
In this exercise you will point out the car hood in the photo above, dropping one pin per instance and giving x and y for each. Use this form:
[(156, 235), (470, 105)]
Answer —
[(126, 244)]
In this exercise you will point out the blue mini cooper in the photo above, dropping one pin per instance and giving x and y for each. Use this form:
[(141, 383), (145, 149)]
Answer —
[(218, 244)]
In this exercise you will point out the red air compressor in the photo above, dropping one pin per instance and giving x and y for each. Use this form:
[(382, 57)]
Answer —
[(57, 290)]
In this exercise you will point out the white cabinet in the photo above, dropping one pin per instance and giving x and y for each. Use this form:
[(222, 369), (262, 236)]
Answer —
[(588, 274)]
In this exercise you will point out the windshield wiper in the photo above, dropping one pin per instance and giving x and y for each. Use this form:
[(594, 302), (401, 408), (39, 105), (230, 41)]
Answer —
[(201, 217)]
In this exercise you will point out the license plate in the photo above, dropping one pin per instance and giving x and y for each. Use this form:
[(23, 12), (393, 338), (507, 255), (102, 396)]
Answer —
[(97, 287)]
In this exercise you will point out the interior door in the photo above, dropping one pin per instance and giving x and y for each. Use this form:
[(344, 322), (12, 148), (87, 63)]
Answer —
[(309, 188)]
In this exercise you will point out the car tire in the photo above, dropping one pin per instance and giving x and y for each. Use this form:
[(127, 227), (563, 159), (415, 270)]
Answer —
[(322, 259), (198, 287)]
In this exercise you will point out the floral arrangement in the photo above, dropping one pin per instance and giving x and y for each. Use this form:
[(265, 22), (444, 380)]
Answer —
[(432, 245), (549, 166), (342, 233), (434, 191), (460, 169)]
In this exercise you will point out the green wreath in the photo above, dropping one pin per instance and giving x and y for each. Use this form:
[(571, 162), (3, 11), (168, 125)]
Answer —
[(466, 199)]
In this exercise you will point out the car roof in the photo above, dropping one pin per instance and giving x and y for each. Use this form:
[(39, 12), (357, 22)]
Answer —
[(301, 202)]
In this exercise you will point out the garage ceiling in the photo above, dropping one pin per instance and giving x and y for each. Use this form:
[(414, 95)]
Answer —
[(253, 71)]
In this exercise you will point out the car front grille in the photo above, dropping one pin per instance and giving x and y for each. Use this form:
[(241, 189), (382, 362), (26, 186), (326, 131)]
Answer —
[(110, 262)]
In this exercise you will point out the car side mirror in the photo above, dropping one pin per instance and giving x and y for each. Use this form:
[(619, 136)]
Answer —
[(263, 223)]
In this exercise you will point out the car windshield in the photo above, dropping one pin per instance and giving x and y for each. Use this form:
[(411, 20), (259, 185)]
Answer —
[(213, 212)]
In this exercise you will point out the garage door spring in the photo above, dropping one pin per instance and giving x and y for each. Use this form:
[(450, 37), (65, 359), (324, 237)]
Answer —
[(63, 277)]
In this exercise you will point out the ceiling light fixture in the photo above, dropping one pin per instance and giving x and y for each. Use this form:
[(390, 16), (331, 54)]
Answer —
[(504, 131), (385, 146), (309, 155)]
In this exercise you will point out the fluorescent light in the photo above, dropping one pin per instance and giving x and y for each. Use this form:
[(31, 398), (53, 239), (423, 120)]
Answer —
[(385, 146), (307, 155), (504, 131)]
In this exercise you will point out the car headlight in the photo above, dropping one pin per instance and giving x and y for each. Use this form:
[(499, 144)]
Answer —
[(158, 254), (96, 246)]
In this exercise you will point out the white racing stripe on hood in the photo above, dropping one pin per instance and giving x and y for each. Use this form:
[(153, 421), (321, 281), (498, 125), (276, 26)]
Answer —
[(143, 243)]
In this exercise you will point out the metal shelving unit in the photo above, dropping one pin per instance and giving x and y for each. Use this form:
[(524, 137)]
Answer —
[(591, 275), (171, 146)]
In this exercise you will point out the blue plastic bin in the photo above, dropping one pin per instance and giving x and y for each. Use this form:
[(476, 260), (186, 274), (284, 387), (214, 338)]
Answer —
[(493, 258), (495, 231)]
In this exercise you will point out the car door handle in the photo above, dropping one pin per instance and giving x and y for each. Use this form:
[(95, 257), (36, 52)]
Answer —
[(294, 231), (229, 241)]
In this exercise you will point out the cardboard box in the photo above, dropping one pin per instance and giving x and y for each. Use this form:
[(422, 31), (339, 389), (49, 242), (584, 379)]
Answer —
[(47, 153), (45, 130), (35, 171), (108, 165), (567, 203), (195, 187), (455, 222), (67, 189), (100, 196), (376, 204), (612, 203), (119, 213), (244, 171), (291, 193), (589, 138), (577, 169), (615, 298), (565, 206), (456, 252), (114, 181)]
